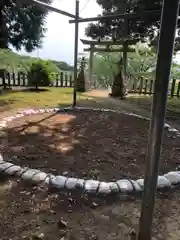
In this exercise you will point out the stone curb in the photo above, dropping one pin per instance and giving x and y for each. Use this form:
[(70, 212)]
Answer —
[(87, 186)]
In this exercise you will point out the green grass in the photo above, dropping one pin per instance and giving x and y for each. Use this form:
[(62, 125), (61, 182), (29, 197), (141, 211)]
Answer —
[(145, 102), (51, 98), (55, 97)]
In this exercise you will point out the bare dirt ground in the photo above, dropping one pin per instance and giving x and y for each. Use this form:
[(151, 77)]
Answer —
[(84, 144), (89, 145)]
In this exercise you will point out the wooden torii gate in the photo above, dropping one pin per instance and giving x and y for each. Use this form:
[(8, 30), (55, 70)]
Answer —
[(105, 46)]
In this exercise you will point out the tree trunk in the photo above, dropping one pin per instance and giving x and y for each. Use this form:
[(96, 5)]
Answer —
[(3, 29)]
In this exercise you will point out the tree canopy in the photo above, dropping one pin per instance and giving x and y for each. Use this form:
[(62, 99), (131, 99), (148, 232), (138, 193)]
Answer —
[(141, 64), (14, 62), (145, 28), (21, 24)]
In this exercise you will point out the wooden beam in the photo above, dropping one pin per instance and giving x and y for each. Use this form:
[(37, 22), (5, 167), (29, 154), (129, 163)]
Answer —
[(110, 42), (107, 50), (76, 45), (119, 16), (170, 12), (48, 7)]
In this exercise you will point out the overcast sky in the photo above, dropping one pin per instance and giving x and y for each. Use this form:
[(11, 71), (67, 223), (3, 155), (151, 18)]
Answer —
[(59, 41)]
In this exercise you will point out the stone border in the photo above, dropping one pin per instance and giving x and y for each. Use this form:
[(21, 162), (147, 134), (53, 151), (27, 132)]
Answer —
[(87, 186)]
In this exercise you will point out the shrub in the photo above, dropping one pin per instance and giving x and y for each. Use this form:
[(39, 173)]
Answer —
[(39, 74)]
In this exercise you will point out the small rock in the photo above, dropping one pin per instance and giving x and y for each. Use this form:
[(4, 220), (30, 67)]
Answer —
[(104, 218), (63, 233), (38, 236), (94, 205), (133, 234), (62, 224), (52, 212), (70, 200), (84, 174), (65, 173), (23, 237)]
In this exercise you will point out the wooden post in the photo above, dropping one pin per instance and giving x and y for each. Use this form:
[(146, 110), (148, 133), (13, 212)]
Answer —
[(125, 48), (18, 79), (76, 52), (90, 67), (66, 80), (173, 87), (178, 89), (151, 86), (24, 77), (57, 79), (14, 79), (145, 87), (61, 79), (70, 81), (170, 11), (9, 79), (141, 85)]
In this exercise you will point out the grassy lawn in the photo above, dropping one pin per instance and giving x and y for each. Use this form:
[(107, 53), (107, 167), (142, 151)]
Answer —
[(52, 97), (145, 102)]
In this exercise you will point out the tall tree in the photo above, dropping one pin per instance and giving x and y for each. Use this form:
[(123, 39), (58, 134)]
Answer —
[(21, 24), (145, 28)]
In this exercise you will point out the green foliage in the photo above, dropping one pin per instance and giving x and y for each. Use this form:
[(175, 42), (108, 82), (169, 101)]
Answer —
[(63, 66), (21, 24), (39, 74), (146, 28), (105, 67), (141, 64), (175, 73), (14, 62)]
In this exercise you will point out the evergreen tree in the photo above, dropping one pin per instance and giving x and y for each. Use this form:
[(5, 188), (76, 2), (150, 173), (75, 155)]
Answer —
[(146, 28), (21, 24)]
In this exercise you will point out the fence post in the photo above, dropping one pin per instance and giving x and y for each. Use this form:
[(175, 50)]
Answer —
[(4, 80), (24, 77), (70, 79), (178, 89), (173, 87), (19, 79), (61, 79), (66, 80), (13, 78), (9, 79), (135, 85), (145, 87), (57, 79), (151, 87), (141, 85)]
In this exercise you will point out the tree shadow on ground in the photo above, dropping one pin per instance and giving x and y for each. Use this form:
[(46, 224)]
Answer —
[(5, 105), (26, 210), (12, 90)]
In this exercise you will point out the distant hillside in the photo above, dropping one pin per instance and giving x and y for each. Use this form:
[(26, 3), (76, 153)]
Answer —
[(14, 62), (63, 66)]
